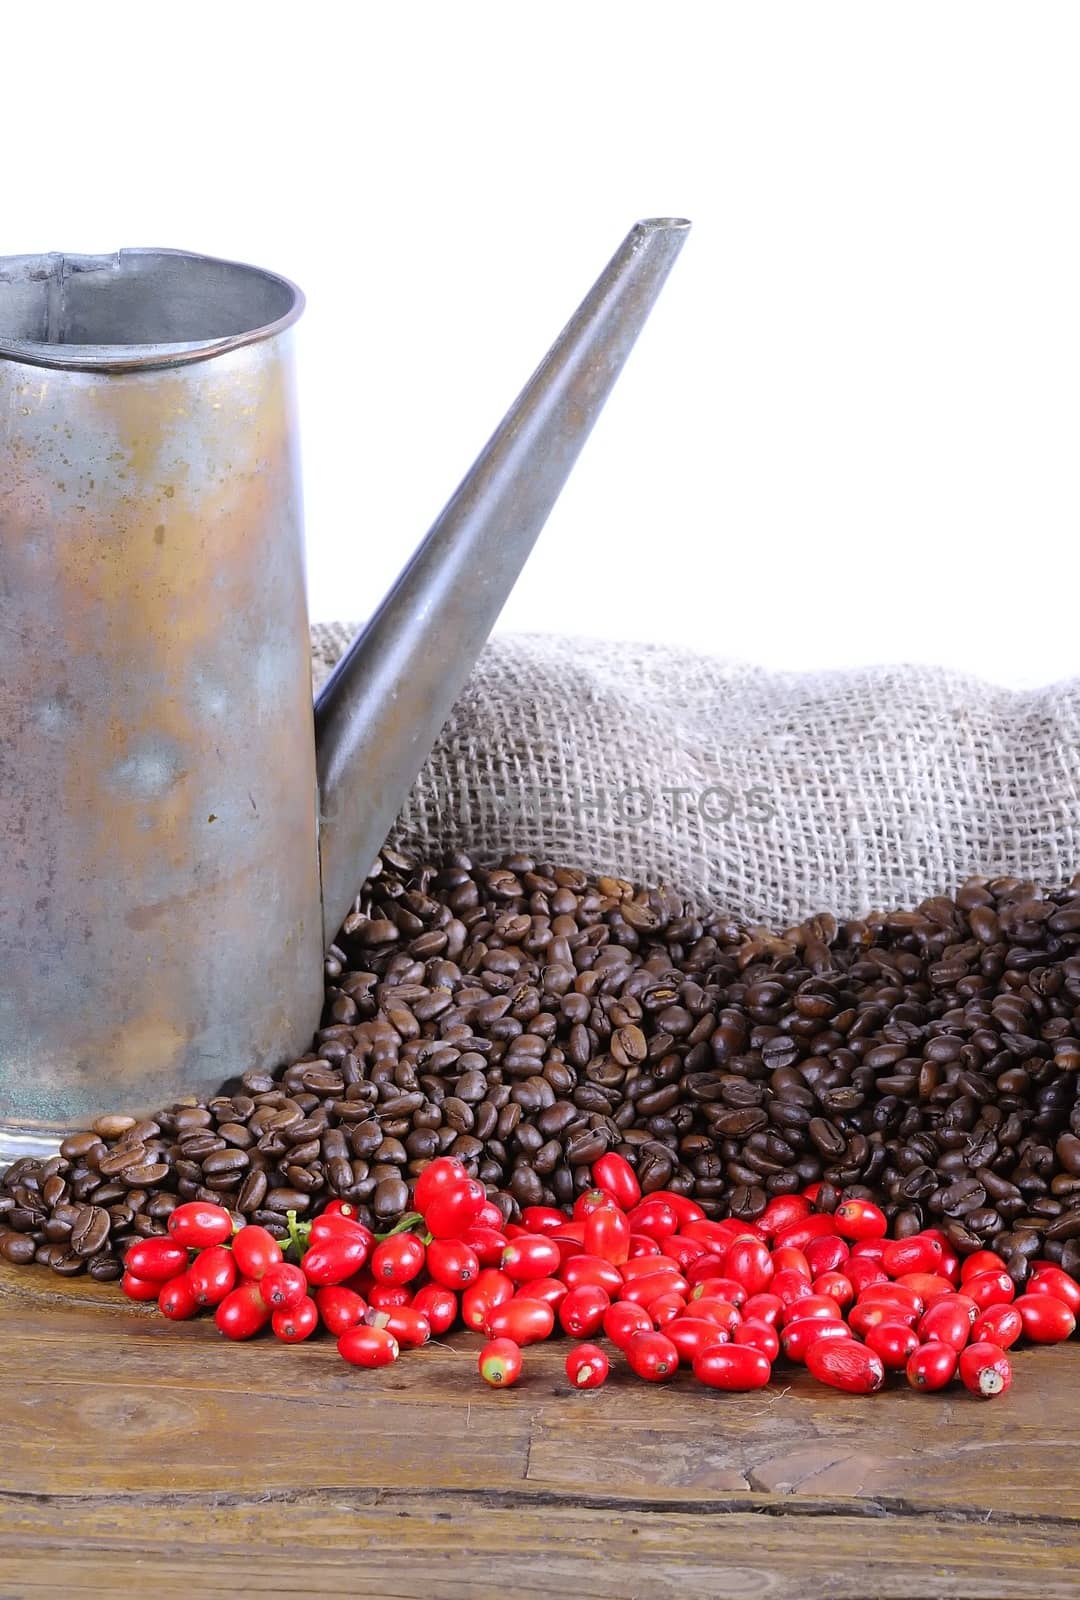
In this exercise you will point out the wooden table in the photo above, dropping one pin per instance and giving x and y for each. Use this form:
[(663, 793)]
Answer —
[(147, 1457)]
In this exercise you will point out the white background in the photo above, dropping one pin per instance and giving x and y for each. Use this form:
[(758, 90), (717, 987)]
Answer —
[(849, 433)]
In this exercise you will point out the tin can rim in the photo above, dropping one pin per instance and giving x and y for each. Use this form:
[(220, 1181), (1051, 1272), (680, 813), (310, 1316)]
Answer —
[(55, 269)]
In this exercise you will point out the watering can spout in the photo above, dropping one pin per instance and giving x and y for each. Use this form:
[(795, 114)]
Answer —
[(381, 711)]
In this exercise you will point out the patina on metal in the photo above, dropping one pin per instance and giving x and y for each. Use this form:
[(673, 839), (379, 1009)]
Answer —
[(162, 913)]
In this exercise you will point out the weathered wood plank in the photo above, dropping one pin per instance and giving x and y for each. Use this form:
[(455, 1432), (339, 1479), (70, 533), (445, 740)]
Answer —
[(898, 1448), (20, 1286), (156, 1386), (135, 1446), (455, 1550), (69, 1436), (66, 1436)]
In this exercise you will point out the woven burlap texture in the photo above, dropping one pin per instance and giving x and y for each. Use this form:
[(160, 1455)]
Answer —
[(766, 795)]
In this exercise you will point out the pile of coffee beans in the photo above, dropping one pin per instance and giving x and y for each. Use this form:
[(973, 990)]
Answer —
[(528, 1018)]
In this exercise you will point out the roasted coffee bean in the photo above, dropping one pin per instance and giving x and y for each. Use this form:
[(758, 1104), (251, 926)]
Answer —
[(90, 1230), (547, 1158), (237, 1135), (967, 1194), (334, 1143), (124, 1156), (296, 1155), (391, 1198), (24, 1219), (529, 1018), (984, 1222), (629, 1045), (1067, 1151), (584, 1146), (1065, 1227), (659, 1100), (17, 1248), (554, 1119), (146, 1174), (748, 1201), (68, 1263), (186, 1118), (471, 1087), (197, 1146), (113, 1127), (526, 1187), (780, 1051), (827, 1137), (142, 1131), (104, 1268), (339, 1175), (282, 1200), (655, 1167), (739, 1124), (252, 1191), (301, 1178), (256, 1082)]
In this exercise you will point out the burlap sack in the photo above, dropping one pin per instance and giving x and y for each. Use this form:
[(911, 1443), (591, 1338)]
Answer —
[(769, 795)]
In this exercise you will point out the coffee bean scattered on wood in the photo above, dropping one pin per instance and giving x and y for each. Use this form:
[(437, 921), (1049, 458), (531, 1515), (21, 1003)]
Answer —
[(527, 1018)]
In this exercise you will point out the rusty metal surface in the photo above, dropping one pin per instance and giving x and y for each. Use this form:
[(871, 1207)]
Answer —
[(382, 709), (160, 924), (136, 309)]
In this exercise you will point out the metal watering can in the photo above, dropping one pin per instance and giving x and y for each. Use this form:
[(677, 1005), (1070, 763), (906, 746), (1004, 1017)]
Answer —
[(179, 839)]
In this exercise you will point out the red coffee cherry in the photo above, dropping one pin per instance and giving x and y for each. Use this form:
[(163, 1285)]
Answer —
[(499, 1363), (587, 1366)]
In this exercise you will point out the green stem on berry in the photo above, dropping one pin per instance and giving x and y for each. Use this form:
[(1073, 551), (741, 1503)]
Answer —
[(406, 1225), (299, 1234)]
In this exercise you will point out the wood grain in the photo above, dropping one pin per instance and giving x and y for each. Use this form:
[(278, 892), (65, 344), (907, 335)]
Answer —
[(133, 1445), (449, 1548)]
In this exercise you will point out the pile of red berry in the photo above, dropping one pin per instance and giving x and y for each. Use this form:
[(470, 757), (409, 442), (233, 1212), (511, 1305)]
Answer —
[(664, 1284)]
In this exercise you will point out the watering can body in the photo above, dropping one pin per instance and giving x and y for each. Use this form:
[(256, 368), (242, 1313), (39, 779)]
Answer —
[(175, 851), (160, 921)]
